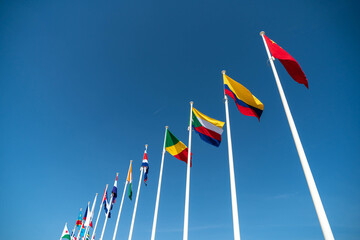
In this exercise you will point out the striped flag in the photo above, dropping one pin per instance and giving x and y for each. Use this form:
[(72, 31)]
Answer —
[(145, 165), (209, 129), (247, 103), (129, 179), (106, 205), (114, 191), (176, 147)]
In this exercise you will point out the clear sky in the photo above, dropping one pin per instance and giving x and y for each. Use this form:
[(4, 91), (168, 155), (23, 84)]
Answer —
[(84, 85)]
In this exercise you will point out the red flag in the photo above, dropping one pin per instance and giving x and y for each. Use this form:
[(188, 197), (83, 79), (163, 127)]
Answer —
[(290, 64)]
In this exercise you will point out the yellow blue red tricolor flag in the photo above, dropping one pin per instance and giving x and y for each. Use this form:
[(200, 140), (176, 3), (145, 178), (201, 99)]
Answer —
[(247, 103)]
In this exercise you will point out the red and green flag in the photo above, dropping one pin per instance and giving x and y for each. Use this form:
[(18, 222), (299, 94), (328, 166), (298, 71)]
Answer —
[(65, 233)]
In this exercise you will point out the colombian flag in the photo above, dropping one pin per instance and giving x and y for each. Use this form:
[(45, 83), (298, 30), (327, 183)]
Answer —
[(209, 129), (290, 64), (247, 103), (176, 147)]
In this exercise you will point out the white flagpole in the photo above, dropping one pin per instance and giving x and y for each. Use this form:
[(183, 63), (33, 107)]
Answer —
[(97, 219), (91, 214), (159, 188), (122, 201), (187, 194), (324, 223), (232, 174), (107, 214), (136, 202)]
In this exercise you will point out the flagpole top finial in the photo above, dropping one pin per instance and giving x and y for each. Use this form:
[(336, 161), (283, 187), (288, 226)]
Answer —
[(97, 194), (191, 102), (262, 33), (166, 127), (223, 71), (107, 185), (146, 145), (117, 174)]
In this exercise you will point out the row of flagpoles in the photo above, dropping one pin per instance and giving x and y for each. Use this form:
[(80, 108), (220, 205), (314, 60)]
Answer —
[(210, 130), (83, 224)]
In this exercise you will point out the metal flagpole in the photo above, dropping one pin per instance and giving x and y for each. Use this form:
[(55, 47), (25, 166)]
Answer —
[(122, 201), (136, 202), (324, 223), (97, 219), (91, 214), (187, 194), (108, 212), (159, 188), (232, 174)]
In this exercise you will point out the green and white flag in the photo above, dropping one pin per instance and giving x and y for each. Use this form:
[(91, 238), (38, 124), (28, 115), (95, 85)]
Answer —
[(65, 233)]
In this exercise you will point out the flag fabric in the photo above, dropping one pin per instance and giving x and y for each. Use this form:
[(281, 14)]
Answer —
[(129, 179), (65, 233), (290, 64), (114, 191), (145, 166), (73, 236), (247, 103), (106, 205), (89, 218), (78, 221), (209, 129), (82, 231), (86, 212), (176, 147)]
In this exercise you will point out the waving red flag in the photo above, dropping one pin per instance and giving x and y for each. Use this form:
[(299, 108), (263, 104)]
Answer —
[(290, 64)]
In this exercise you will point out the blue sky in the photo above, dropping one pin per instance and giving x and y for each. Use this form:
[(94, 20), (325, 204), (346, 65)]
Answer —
[(84, 85)]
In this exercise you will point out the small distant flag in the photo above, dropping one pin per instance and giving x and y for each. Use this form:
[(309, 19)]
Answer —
[(88, 221), (106, 205), (145, 166), (65, 233), (79, 221), (209, 129), (129, 179), (247, 103), (290, 64), (82, 231), (86, 212), (176, 147), (114, 191)]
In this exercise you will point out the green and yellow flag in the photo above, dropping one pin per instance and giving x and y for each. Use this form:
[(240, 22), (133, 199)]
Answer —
[(176, 147)]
